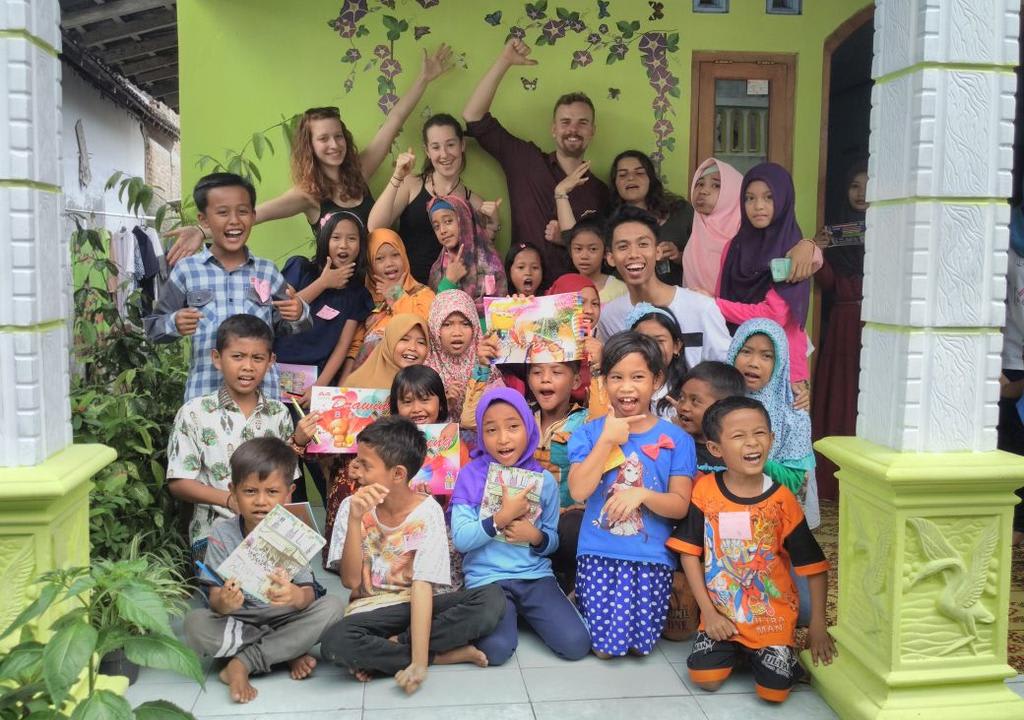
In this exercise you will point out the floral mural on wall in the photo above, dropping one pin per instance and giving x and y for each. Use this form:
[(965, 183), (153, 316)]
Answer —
[(586, 37)]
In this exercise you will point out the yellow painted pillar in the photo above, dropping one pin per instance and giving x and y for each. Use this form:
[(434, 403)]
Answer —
[(926, 501), (44, 479)]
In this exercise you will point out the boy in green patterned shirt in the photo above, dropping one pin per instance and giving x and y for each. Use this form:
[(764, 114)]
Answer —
[(207, 429)]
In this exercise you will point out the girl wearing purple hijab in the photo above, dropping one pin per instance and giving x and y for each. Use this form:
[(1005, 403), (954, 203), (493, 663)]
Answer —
[(508, 547), (768, 230)]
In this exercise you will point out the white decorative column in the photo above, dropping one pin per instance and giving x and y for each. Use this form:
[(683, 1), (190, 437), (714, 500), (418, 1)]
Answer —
[(43, 477), (925, 499)]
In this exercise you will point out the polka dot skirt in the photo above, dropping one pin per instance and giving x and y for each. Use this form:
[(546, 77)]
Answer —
[(625, 603)]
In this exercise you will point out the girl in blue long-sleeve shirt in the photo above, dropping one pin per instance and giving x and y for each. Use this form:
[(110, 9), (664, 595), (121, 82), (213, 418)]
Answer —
[(507, 434)]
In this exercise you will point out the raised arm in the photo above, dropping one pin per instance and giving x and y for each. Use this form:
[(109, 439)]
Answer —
[(395, 196), (515, 52), (374, 153)]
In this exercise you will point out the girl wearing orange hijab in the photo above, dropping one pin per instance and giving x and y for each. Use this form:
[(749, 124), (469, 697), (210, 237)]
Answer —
[(393, 289)]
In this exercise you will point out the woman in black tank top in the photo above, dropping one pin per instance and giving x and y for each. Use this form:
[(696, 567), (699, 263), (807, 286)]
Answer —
[(406, 196), (328, 171)]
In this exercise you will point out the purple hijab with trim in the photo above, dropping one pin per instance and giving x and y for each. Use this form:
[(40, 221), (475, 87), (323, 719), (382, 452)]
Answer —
[(746, 272), (469, 488)]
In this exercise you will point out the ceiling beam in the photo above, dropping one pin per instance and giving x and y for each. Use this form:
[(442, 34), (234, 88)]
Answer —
[(170, 100), (170, 70), (127, 51), (150, 63), (156, 20), (106, 11), (163, 87)]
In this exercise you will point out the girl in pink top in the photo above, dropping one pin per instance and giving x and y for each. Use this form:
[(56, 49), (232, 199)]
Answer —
[(715, 194)]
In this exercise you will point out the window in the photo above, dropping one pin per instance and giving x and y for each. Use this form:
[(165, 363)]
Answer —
[(783, 7), (711, 6)]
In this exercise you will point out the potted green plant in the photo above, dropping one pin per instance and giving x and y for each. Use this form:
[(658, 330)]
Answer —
[(115, 605)]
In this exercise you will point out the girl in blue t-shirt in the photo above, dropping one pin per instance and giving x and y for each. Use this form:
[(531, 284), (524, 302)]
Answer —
[(633, 470), (331, 282)]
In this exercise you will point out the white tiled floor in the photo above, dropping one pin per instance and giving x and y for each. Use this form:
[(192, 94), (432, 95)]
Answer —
[(533, 685)]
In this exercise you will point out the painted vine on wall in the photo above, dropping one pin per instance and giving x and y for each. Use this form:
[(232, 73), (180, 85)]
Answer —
[(583, 35)]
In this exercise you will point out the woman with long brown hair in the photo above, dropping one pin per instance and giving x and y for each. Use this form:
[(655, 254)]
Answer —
[(329, 173)]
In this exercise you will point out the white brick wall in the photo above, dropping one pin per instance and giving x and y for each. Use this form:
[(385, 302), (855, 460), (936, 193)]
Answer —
[(940, 168), (35, 417)]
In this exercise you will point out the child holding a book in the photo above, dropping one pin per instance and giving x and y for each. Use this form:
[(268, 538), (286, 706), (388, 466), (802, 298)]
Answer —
[(208, 428), (223, 280), (405, 344), (741, 539), (633, 470), (393, 556), (504, 519), (251, 634)]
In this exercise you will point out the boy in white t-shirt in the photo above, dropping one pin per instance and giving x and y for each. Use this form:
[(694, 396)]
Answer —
[(390, 547), (631, 245)]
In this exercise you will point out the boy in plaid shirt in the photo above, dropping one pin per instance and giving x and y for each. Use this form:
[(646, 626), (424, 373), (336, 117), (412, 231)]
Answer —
[(223, 280)]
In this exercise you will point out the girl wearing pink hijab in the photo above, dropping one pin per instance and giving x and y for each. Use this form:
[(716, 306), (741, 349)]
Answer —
[(715, 195)]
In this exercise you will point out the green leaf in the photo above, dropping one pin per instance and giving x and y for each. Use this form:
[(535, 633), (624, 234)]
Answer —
[(403, 26), (390, 22), (23, 663), (40, 605), (112, 180), (674, 91), (270, 145), (76, 615), (612, 59), (257, 144), (103, 705), (394, 35), (111, 639), (235, 165), (161, 710), (623, 26), (66, 655), (541, 40), (164, 653), (562, 13), (143, 607)]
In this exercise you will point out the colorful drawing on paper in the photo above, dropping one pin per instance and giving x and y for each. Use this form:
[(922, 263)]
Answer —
[(516, 480), (441, 467), (295, 380), (344, 412), (537, 329)]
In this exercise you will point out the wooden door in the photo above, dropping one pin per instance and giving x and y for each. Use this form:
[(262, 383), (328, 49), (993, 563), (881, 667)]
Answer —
[(742, 109)]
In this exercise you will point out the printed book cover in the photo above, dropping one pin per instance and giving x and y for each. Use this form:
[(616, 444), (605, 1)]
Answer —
[(295, 380), (281, 540), (344, 412), (441, 468), (537, 329), (517, 480)]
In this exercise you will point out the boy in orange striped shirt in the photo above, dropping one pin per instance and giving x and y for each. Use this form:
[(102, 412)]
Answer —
[(743, 533)]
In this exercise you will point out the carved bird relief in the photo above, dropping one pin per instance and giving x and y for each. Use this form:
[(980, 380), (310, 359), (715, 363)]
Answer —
[(965, 583)]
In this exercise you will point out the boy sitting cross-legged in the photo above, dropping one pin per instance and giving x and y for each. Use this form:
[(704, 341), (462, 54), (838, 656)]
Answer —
[(253, 634), (743, 533), (394, 555)]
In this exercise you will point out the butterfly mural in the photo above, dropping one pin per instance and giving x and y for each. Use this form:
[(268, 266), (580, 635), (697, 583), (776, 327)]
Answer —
[(419, 31), (493, 19), (614, 93), (657, 10), (602, 9), (529, 84)]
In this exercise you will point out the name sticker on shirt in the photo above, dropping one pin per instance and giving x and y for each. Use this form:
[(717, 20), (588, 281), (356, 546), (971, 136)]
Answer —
[(262, 288), (734, 525), (327, 313)]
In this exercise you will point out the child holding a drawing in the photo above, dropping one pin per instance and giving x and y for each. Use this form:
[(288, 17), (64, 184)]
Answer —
[(254, 635), (633, 470), (394, 557), (505, 519), (208, 428)]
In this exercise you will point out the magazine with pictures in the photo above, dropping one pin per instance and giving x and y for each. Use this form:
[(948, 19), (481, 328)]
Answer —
[(441, 466), (281, 540), (536, 329), (517, 480), (344, 412)]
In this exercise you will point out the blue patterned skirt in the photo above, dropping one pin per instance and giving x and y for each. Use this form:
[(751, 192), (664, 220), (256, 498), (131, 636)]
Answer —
[(625, 603)]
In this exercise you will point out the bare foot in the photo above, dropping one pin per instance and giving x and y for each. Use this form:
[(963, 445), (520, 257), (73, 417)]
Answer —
[(603, 655), (302, 666), (464, 654), (361, 675), (236, 676)]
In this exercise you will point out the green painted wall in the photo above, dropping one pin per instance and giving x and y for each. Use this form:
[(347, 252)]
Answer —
[(245, 63)]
